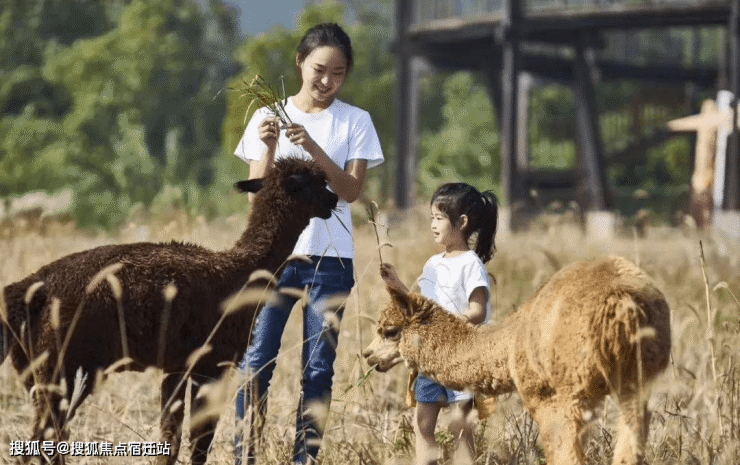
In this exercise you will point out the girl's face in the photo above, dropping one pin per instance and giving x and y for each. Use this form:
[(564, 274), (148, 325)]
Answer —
[(323, 72), (444, 232)]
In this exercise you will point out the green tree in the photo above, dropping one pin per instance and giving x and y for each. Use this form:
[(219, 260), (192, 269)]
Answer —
[(466, 147), (117, 109)]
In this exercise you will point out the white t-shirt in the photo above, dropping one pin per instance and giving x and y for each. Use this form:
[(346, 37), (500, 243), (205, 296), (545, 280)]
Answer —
[(451, 281), (345, 133)]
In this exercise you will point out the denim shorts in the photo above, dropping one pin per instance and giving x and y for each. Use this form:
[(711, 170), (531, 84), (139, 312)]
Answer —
[(429, 392)]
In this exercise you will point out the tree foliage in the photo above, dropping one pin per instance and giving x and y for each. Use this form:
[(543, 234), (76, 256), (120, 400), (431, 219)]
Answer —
[(118, 105)]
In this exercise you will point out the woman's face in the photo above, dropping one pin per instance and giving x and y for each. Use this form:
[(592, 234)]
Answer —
[(323, 72)]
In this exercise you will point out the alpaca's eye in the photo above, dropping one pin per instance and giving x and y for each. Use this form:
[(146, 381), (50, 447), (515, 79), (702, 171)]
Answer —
[(393, 333)]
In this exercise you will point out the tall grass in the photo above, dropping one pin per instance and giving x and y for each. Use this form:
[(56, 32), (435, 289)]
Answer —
[(695, 404)]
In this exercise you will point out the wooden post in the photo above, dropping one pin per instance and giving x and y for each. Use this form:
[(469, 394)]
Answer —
[(588, 129), (406, 111), (732, 173), (511, 178), (525, 83), (701, 203)]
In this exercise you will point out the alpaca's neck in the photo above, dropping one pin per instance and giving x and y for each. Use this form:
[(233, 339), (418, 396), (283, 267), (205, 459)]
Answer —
[(458, 355), (269, 239)]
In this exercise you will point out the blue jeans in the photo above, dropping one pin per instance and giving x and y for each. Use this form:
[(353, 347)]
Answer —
[(325, 277)]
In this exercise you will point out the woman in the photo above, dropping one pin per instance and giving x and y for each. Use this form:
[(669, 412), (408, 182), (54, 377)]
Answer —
[(343, 141)]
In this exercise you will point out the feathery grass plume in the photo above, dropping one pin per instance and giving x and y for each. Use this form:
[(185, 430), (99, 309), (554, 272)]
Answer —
[(169, 293), (299, 257), (262, 275), (77, 390), (216, 397), (122, 362), (3, 309), (723, 285), (31, 291), (372, 220), (35, 363), (260, 92), (101, 275), (55, 318), (241, 299), (711, 316)]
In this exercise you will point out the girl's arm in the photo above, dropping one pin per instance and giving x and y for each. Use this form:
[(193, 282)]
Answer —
[(346, 183), (476, 312), (390, 276)]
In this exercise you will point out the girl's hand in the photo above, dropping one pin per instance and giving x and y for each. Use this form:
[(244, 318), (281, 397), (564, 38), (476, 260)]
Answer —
[(390, 276), (298, 135), (269, 131)]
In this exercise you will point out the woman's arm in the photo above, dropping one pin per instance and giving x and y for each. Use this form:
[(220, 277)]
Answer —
[(268, 131), (476, 312), (347, 183)]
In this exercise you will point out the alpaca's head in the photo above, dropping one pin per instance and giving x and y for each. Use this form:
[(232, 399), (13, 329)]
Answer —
[(293, 186), (403, 312)]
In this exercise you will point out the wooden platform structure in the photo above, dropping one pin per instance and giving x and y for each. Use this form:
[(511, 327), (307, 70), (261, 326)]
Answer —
[(561, 40)]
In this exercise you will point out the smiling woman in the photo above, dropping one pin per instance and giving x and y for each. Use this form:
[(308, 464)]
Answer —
[(342, 140)]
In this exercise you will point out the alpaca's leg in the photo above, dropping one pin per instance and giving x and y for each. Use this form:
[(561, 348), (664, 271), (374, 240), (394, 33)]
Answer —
[(201, 434), (48, 422), (560, 428), (172, 416), (632, 429), (54, 410)]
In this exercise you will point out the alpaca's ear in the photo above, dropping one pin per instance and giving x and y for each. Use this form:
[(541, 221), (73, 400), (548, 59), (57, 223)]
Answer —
[(250, 185), (297, 182), (401, 300)]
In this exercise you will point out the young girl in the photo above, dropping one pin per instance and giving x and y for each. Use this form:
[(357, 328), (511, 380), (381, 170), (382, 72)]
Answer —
[(456, 279), (341, 139)]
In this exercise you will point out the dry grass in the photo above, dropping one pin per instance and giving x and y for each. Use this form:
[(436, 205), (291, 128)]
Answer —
[(696, 403)]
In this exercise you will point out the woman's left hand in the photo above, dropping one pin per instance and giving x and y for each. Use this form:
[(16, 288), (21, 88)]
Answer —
[(298, 135)]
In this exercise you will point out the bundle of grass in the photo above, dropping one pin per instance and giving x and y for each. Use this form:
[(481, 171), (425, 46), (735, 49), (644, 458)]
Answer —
[(176, 306)]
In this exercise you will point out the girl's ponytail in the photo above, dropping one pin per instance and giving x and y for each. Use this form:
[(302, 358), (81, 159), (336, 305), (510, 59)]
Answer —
[(485, 244), (457, 199)]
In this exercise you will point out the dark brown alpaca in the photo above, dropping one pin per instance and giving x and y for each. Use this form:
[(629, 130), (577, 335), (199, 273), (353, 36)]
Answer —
[(85, 329)]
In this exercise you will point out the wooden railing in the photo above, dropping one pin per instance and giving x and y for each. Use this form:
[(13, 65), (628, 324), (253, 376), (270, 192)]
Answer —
[(429, 14)]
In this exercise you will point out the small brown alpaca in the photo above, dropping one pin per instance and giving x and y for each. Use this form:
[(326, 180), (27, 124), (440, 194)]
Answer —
[(595, 328), (64, 317)]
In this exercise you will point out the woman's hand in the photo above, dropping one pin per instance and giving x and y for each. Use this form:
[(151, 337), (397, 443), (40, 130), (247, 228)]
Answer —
[(390, 276), (298, 135), (346, 181), (269, 131)]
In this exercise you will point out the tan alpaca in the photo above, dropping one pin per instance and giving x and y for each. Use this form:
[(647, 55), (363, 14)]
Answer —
[(575, 341)]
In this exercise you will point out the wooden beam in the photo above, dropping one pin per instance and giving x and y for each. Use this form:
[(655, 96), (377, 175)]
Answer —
[(564, 26), (589, 137), (511, 178), (627, 18), (406, 112), (447, 56)]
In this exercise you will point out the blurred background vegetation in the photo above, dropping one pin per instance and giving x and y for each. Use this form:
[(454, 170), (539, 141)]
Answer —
[(135, 106)]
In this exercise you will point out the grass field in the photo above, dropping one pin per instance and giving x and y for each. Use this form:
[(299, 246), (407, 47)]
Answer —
[(696, 403)]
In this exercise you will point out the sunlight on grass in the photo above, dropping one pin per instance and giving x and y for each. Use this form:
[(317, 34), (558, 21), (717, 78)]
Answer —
[(695, 403)]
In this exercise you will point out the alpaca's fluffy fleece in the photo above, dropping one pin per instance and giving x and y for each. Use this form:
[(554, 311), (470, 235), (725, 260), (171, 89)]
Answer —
[(595, 328), (170, 296)]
